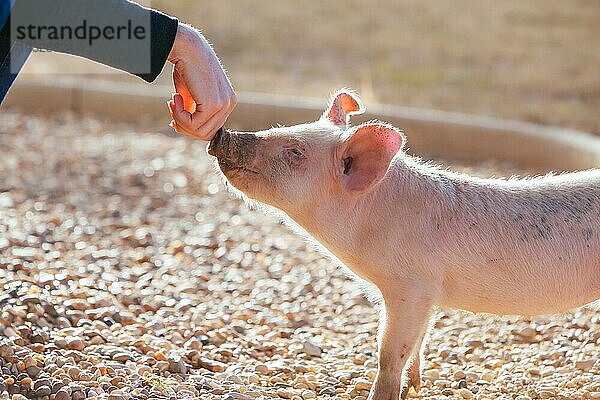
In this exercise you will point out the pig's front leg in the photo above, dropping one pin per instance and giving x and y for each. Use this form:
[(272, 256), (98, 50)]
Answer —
[(403, 323)]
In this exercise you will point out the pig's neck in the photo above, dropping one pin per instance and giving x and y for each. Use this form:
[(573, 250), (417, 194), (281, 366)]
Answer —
[(362, 231)]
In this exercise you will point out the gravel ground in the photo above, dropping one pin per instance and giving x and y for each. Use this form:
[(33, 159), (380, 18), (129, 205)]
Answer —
[(128, 272)]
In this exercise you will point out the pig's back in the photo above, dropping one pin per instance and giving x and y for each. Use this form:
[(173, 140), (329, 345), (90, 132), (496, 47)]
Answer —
[(524, 246)]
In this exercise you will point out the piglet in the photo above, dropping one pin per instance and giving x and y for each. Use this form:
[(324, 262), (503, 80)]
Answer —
[(425, 237)]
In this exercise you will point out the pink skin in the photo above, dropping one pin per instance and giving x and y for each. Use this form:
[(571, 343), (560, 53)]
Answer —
[(204, 97), (422, 236)]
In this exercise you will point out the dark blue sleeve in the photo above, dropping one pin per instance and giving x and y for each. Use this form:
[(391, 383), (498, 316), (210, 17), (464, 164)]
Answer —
[(5, 6), (70, 26), (12, 58)]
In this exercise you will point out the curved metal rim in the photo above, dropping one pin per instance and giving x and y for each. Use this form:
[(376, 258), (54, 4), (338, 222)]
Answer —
[(432, 132)]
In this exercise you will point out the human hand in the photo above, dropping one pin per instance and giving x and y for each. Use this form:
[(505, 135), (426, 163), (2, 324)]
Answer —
[(204, 97)]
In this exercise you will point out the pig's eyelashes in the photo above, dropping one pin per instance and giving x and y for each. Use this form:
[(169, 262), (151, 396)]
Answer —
[(295, 156), (296, 152), (347, 165)]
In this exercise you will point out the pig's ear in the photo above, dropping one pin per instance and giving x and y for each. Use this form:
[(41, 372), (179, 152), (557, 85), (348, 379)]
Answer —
[(342, 105), (367, 154)]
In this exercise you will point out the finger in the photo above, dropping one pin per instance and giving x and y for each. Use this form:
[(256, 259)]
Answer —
[(185, 123), (204, 113), (171, 105), (172, 124), (180, 131), (184, 132), (208, 130), (202, 123), (182, 117), (218, 121), (181, 88)]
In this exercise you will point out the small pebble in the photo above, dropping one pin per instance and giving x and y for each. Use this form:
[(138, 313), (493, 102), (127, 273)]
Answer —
[(311, 349), (362, 384), (122, 357), (75, 344), (328, 391)]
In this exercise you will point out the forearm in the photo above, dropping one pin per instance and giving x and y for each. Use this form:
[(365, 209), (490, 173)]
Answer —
[(118, 33)]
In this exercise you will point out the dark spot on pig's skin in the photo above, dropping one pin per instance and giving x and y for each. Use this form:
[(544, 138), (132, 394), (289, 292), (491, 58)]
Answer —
[(587, 234), (519, 217), (539, 229), (573, 209)]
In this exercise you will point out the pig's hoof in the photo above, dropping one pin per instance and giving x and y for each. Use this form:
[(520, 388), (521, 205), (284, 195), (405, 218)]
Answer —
[(414, 380), (406, 389)]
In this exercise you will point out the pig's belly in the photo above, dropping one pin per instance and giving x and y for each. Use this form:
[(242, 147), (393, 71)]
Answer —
[(524, 287)]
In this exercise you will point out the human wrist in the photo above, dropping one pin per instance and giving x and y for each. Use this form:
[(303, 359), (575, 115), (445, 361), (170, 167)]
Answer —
[(185, 39)]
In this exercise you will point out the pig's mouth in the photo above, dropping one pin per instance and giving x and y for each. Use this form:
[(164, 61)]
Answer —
[(227, 166)]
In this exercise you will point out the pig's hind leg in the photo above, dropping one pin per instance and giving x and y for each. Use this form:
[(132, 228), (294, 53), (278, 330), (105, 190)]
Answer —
[(402, 327), (413, 371)]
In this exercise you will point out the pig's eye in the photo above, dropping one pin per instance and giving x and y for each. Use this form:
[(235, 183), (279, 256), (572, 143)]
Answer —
[(347, 165), (295, 152)]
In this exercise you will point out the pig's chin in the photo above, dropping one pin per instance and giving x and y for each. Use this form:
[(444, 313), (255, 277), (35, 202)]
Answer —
[(230, 168), (240, 177)]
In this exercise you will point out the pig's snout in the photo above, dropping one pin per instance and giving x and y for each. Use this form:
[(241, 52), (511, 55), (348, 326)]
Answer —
[(233, 149), (214, 143)]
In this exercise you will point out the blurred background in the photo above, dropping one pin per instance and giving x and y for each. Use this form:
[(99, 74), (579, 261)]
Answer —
[(535, 60)]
